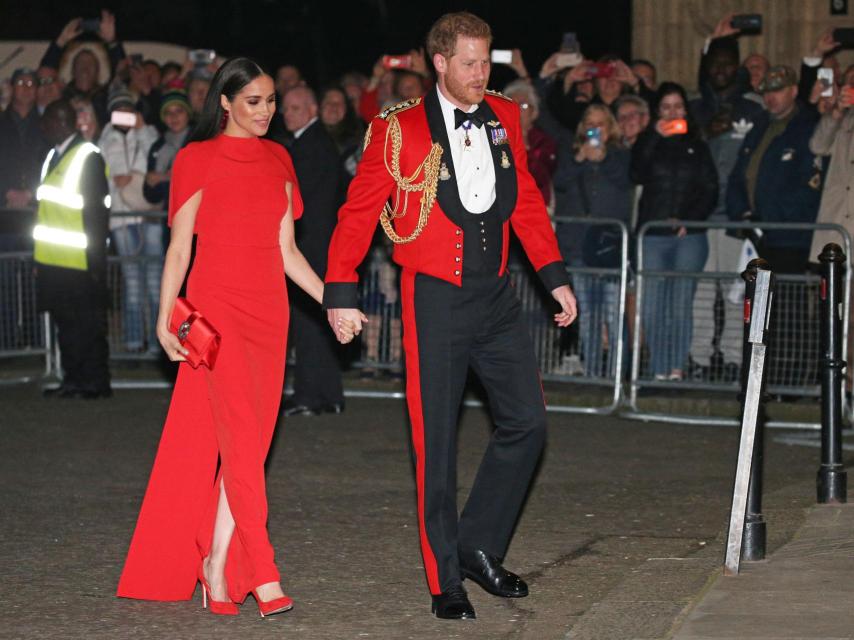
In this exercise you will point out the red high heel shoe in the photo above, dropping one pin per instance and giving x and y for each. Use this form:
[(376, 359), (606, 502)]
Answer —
[(226, 608), (277, 605)]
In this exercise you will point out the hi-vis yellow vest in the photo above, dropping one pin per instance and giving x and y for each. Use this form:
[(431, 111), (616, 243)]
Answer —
[(60, 239)]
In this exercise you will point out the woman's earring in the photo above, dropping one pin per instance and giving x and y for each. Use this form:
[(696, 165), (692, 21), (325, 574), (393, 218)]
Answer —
[(224, 120)]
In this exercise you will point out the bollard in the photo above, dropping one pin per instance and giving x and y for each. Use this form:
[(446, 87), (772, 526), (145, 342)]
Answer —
[(831, 482), (753, 547)]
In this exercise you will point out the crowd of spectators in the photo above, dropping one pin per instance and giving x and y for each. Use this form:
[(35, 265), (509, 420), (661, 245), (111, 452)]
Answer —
[(606, 139)]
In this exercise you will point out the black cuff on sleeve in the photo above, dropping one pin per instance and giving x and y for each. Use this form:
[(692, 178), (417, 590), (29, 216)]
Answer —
[(340, 295), (553, 275)]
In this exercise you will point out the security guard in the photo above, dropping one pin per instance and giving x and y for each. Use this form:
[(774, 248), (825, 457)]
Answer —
[(70, 253), (449, 174)]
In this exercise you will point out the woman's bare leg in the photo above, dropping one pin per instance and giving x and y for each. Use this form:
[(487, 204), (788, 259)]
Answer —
[(214, 566)]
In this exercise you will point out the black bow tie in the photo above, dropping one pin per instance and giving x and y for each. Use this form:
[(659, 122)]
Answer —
[(476, 117)]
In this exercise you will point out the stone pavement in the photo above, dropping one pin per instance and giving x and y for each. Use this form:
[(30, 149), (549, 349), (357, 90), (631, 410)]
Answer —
[(804, 590), (623, 528)]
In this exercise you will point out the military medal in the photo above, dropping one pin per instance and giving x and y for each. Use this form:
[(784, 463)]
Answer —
[(498, 135), (466, 126), (444, 174), (505, 161)]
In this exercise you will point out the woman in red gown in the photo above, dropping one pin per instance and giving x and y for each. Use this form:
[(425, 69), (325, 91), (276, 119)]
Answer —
[(238, 193)]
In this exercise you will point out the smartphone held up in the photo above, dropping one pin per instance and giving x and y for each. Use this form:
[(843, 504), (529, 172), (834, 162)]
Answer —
[(677, 127), (501, 56), (825, 77), (397, 62), (594, 137), (750, 22), (123, 119), (570, 52), (202, 57)]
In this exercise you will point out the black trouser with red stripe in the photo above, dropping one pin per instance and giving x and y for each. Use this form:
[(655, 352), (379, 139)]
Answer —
[(448, 329)]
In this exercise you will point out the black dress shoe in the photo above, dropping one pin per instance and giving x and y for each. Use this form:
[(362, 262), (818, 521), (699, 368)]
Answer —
[(290, 409), (333, 407), (453, 604), (486, 570)]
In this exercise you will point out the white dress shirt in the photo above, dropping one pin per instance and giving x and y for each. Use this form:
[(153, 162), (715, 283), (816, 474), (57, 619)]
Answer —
[(473, 164)]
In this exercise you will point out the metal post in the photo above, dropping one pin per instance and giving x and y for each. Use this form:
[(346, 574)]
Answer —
[(755, 536), (758, 301), (831, 482)]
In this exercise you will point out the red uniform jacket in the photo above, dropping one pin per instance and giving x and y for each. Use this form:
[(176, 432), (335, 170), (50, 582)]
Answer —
[(438, 251)]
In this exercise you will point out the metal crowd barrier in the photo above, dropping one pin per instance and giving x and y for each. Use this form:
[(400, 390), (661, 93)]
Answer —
[(560, 353), (716, 325), (24, 332), (594, 356)]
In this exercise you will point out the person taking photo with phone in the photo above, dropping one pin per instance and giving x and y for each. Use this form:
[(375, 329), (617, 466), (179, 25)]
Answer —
[(125, 143), (675, 168), (592, 181), (834, 137)]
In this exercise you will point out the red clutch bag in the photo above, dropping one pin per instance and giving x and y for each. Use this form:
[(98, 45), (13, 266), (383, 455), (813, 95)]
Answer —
[(196, 334)]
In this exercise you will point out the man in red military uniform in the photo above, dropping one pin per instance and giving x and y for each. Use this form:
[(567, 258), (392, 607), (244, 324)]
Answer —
[(449, 174)]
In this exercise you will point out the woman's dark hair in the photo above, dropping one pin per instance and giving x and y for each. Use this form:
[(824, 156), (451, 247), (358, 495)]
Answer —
[(229, 80), (348, 133), (669, 88)]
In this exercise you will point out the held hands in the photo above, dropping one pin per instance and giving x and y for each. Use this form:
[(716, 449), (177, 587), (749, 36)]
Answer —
[(566, 300), (346, 323)]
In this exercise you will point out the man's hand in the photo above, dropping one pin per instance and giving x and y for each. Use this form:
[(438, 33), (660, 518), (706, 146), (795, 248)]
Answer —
[(566, 300), (825, 44), (723, 28), (345, 323), (69, 32)]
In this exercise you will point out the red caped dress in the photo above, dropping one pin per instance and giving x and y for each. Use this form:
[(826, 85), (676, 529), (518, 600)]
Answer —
[(228, 414)]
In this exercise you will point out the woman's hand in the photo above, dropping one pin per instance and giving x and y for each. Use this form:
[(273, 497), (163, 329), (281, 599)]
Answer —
[(346, 330), (170, 343), (590, 153)]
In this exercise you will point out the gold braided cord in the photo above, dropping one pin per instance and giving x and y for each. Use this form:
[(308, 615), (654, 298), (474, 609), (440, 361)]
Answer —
[(429, 168)]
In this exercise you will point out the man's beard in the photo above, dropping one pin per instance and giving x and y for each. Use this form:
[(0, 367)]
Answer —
[(461, 92)]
